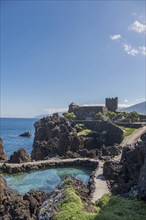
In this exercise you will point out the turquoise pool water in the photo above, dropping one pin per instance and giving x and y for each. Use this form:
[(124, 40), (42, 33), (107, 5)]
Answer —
[(45, 180)]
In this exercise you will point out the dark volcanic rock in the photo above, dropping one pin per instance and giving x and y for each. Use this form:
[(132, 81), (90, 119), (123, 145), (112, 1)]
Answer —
[(3, 156), (26, 134), (57, 136), (51, 205), (19, 156), (143, 137), (128, 176), (54, 136), (142, 177), (106, 133), (14, 206), (35, 199), (112, 169), (108, 151)]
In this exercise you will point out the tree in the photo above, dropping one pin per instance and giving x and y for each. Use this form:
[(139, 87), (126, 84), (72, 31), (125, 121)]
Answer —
[(99, 116), (69, 115), (111, 115), (122, 116), (133, 116)]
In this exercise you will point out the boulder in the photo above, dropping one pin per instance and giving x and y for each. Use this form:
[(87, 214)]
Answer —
[(112, 169), (111, 151), (19, 156), (3, 156)]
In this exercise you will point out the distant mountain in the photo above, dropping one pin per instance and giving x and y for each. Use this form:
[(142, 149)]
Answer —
[(139, 108), (42, 116)]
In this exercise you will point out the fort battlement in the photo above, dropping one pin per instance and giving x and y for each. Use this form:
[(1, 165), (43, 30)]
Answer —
[(89, 112)]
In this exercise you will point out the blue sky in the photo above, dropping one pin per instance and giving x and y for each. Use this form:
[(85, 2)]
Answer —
[(56, 52)]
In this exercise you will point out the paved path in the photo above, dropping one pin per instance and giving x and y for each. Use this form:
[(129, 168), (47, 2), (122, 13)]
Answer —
[(101, 187), (134, 137), (49, 161)]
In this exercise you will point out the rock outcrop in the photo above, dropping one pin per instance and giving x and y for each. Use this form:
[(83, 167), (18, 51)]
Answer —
[(26, 134), (57, 136), (128, 176), (19, 156), (3, 156), (143, 137), (15, 206), (54, 136), (70, 186)]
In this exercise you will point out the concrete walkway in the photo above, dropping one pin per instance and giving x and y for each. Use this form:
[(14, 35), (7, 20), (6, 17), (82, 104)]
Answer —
[(50, 161), (134, 137), (101, 187)]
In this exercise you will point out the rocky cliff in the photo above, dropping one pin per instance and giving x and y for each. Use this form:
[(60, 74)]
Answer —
[(15, 206), (128, 176), (57, 136), (3, 156)]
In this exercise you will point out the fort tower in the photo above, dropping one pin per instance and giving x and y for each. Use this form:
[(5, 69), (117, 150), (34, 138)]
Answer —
[(111, 104)]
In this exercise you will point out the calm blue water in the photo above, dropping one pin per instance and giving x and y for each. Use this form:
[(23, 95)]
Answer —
[(10, 128), (45, 180)]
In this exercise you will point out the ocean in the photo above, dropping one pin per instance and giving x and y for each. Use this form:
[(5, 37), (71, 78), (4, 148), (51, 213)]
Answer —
[(11, 128)]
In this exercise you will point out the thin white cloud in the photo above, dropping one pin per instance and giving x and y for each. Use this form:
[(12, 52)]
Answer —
[(142, 50), (140, 100), (130, 103), (126, 100), (124, 105), (116, 37), (138, 27), (130, 50), (54, 110), (92, 104), (120, 105)]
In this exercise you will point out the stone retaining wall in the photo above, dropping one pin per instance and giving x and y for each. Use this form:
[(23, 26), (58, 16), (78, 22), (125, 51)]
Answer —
[(130, 125), (114, 135), (25, 167)]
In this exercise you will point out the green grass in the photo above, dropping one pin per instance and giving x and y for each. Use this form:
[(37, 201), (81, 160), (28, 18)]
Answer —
[(72, 208), (85, 132), (119, 208), (127, 131), (107, 208)]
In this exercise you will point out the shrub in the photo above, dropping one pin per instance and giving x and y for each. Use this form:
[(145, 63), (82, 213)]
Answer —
[(69, 115)]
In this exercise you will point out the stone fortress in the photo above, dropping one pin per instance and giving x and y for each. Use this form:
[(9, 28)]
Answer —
[(89, 112)]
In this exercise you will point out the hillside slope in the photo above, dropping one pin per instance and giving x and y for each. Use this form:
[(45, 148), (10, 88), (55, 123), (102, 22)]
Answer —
[(139, 108)]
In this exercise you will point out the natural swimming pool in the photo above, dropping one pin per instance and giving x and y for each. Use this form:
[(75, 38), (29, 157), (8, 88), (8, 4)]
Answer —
[(45, 180)]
